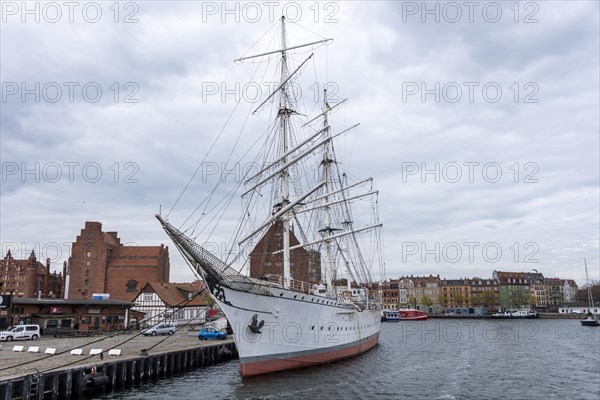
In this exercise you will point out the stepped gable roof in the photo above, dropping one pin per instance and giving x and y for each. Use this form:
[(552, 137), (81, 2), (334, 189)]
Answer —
[(8, 260)]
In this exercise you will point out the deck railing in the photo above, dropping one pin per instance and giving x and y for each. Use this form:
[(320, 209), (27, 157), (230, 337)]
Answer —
[(295, 284)]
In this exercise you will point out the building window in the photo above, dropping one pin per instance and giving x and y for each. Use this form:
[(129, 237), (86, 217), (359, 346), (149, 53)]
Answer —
[(87, 272), (86, 282), (89, 254), (132, 285), (87, 263)]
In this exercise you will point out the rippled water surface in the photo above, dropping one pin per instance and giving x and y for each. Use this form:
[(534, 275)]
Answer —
[(436, 359)]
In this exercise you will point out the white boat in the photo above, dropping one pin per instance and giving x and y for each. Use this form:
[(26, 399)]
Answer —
[(279, 322), (590, 319), (521, 313)]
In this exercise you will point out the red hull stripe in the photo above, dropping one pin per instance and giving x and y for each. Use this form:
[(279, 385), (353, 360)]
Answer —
[(264, 366)]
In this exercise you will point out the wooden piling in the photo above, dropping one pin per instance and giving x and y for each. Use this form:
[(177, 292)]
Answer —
[(73, 382)]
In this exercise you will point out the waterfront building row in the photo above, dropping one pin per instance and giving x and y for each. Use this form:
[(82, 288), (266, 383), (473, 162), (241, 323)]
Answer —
[(502, 291)]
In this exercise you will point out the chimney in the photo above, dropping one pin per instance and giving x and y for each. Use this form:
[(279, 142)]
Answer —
[(67, 277), (47, 277)]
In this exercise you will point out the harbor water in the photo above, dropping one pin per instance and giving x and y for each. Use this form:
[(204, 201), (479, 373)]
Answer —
[(435, 359)]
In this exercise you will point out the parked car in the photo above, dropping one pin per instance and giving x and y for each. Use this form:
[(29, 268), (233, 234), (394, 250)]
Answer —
[(208, 332), (21, 332), (160, 329)]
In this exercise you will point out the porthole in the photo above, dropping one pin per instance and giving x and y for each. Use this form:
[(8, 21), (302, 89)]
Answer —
[(280, 294)]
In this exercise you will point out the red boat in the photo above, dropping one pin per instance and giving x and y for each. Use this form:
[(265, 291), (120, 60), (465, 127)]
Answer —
[(404, 315), (413, 315)]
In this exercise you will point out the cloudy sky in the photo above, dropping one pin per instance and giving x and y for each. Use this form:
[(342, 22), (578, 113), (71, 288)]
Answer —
[(479, 122)]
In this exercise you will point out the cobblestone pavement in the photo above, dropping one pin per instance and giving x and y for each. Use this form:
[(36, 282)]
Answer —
[(10, 362)]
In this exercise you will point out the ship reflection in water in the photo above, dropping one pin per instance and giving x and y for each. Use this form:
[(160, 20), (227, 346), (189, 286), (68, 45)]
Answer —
[(451, 359)]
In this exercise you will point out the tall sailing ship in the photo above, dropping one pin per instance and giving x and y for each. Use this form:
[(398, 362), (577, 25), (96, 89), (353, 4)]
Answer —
[(309, 236)]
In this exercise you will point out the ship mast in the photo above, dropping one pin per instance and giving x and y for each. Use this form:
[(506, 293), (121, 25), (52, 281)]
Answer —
[(284, 114), (327, 229)]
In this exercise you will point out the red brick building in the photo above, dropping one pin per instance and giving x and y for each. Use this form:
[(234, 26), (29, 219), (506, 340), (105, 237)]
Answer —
[(305, 264), (28, 278), (99, 263)]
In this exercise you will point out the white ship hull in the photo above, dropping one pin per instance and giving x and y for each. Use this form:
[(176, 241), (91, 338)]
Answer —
[(297, 331)]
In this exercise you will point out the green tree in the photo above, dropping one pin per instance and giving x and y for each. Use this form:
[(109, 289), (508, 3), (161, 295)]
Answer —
[(442, 300), (489, 299), (459, 299), (209, 301), (412, 300), (520, 297), (427, 301), (533, 301)]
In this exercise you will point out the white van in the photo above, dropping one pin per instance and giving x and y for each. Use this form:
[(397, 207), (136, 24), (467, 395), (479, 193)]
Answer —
[(21, 332)]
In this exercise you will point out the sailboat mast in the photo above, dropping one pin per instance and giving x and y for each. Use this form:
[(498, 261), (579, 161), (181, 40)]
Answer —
[(589, 287), (285, 186)]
